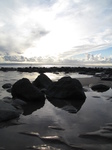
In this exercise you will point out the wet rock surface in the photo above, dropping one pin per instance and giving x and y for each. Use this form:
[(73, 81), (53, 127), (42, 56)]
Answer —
[(66, 88), (24, 90), (100, 88), (7, 111), (42, 81), (7, 86)]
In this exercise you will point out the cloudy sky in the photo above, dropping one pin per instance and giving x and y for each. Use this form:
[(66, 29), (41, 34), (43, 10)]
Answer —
[(56, 31)]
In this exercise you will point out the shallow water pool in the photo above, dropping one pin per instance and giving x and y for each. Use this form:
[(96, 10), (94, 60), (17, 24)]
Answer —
[(70, 127)]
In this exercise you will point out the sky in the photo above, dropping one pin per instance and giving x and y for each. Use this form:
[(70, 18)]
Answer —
[(56, 31)]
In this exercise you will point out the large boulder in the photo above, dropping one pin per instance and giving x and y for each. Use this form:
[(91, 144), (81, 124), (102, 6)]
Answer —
[(42, 81), (7, 111), (66, 88), (25, 90)]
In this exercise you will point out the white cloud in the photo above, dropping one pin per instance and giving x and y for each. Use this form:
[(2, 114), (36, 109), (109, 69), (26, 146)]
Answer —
[(90, 58), (54, 28)]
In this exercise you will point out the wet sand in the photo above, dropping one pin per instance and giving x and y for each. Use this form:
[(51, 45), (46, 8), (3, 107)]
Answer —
[(93, 81), (93, 114)]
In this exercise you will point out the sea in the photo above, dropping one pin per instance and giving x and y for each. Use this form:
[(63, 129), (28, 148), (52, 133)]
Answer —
[(22, 65), (61, 125)]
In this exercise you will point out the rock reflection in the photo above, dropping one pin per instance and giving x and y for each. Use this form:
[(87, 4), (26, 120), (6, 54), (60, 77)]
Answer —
[(30, 107), (72, 106)]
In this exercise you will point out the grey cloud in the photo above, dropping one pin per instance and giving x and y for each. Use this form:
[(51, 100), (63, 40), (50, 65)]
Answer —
[(40, 3), (15, 41), (3, 49), (14, 58), (89, 59), (37, 33), (13, 38), (70, 61), (20, 58), (15, 4), (47, 3)]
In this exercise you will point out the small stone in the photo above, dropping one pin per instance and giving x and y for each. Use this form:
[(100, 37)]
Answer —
[(100, 88), (7, 86)]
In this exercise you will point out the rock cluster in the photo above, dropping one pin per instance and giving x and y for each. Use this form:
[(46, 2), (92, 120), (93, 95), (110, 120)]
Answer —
[(64, 88), (27, 96)]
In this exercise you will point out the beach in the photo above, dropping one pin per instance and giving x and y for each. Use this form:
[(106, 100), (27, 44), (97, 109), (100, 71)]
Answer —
[(90, 128)]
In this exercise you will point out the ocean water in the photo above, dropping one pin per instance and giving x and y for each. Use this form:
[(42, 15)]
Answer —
[(95, 114), (16, 65)]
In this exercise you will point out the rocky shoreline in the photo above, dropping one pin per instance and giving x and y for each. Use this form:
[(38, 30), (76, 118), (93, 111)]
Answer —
[(84, 70), (103, 73)]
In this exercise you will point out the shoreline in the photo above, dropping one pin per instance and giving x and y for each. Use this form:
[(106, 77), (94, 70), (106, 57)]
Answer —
[(81, 70), (98, 75), (94, 81)]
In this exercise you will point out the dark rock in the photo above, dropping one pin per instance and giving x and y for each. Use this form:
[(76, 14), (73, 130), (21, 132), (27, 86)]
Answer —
[(66, 88), (23, 89), (100, 88), (7, 112), (107, 78), (42, 81), (19, 102), (7, 86), (7, 99), (9, 90), (14, 102)]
